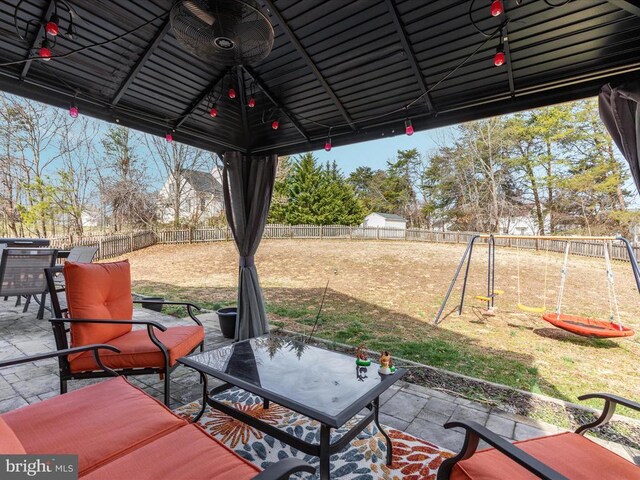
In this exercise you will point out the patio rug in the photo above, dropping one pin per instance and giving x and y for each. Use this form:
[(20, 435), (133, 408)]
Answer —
[(363, 459)]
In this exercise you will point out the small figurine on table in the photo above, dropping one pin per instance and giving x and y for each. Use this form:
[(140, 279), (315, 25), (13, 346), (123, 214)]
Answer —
[(386, 364), (362, 359)]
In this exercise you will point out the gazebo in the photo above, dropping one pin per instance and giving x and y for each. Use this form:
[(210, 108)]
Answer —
[(256, 79)]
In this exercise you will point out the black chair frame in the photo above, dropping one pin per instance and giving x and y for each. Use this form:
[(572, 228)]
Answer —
[(60, 330), (280, 470), (474, 432)]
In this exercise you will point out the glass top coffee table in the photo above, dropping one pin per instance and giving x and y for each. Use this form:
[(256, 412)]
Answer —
[(323, 385)]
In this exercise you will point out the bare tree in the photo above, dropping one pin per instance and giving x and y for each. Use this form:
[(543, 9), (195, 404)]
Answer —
[(173, 160)]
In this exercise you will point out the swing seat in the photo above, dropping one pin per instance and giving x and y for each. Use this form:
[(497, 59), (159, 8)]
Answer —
[(587, 327), (525, 308), (487, 298)]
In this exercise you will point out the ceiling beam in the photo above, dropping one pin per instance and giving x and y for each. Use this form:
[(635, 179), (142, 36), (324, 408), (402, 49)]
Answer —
[(200, 98), (243, 105), (631, 6), (162, 31), (305, 56), (408, 51), (261, 85), (507, 54), (47, 13)]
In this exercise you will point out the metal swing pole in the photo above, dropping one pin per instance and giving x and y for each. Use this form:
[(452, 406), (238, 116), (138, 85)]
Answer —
[(632, 259), (465, 257), (491, 272)]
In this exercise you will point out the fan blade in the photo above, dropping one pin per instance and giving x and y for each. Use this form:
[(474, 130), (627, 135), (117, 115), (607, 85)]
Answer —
[(203, 15)]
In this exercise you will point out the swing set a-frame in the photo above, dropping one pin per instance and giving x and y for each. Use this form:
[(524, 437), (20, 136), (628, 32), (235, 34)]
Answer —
[(579, 325)]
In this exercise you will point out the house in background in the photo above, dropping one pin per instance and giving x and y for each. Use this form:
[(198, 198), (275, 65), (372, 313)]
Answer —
[(385, 220), (197, 199)]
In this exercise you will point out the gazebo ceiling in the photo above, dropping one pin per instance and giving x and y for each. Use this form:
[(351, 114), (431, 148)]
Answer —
[(349, 65)]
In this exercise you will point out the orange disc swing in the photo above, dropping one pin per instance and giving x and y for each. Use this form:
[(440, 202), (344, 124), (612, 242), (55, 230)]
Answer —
[(584, 326)]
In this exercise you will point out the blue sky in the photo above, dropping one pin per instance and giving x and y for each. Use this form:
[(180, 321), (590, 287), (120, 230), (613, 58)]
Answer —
[(375, 153)]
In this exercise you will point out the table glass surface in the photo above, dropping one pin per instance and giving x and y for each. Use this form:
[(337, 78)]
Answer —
[(325, 381)]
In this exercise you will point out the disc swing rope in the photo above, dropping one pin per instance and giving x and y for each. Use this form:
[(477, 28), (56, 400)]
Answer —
[(589, 327), (522, 306)]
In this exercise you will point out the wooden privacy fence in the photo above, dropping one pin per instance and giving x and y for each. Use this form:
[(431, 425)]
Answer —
[(110, 246)]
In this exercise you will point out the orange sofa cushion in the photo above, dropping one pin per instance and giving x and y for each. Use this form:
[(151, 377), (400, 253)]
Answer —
[(98, 423), (570, 454), (187, 453), (9, 443), (99, 291), (138, 351)]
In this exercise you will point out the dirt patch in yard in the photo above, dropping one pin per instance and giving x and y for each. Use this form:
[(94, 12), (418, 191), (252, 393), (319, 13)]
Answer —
[(386, 294)]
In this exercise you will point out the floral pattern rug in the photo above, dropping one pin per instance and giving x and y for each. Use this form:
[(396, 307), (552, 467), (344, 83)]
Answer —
[(363, 459)]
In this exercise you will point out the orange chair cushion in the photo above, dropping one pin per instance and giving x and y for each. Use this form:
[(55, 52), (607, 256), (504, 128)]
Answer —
[(187, 453), (570, 454), (9, 443), (138, 351), (99, 291), (98, 423)]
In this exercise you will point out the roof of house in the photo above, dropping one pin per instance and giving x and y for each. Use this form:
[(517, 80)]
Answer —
[(202, 182), (390, 216)]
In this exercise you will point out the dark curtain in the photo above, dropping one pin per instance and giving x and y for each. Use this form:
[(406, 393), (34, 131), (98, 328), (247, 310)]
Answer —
[(620, 113), (247, 183)]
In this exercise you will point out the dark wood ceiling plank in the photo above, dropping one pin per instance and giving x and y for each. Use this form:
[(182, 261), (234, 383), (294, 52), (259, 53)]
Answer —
[(200, 98), (631, 6), (267, 92), (303, 53), (47, 13), (411, 57), (158, 37)]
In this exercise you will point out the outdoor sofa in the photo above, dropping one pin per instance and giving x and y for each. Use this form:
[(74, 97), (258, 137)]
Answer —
[(120, 432)]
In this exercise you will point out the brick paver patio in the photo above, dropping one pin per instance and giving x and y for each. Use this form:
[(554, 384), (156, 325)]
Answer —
[(417, 410)]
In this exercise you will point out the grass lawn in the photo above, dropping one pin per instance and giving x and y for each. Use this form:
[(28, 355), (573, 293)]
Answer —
[(386, 294)]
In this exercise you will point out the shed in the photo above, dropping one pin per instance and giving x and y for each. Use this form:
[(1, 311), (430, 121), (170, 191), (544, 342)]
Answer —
[(385, 220)]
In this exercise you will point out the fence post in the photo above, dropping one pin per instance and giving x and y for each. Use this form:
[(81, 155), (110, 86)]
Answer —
[(190, 234), (131, 242), (100, 250), (377, 233), (290, 231), (321, 232)]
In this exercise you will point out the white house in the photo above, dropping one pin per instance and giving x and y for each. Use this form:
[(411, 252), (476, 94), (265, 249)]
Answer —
[(200, 197), (385, 220)]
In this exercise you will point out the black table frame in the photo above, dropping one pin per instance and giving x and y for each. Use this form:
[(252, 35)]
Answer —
[(325, 448)]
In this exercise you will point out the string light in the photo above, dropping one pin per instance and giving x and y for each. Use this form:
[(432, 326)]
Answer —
[(73, 110), (232, 93), (168, 137), (251, 103), (45, 51), (275, 124), (496, 8), (327, 144), (52, 26), (499, 58), (213, 112), (408, 127)]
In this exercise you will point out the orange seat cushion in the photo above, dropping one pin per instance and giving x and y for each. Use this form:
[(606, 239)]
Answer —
[(9, 443), (138, 351), (98, 423), (98, 291), (570, 454), (187, 453)]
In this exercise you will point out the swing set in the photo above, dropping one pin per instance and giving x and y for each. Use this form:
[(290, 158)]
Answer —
[(579, 325)]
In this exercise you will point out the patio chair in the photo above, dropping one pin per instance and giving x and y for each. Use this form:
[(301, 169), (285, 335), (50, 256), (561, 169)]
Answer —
[(100, 310), (119, 432), (22, 274), (567, 455), (82, 254)]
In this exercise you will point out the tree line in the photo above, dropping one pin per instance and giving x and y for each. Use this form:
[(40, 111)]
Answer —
[(555, 169), (61, 175)]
